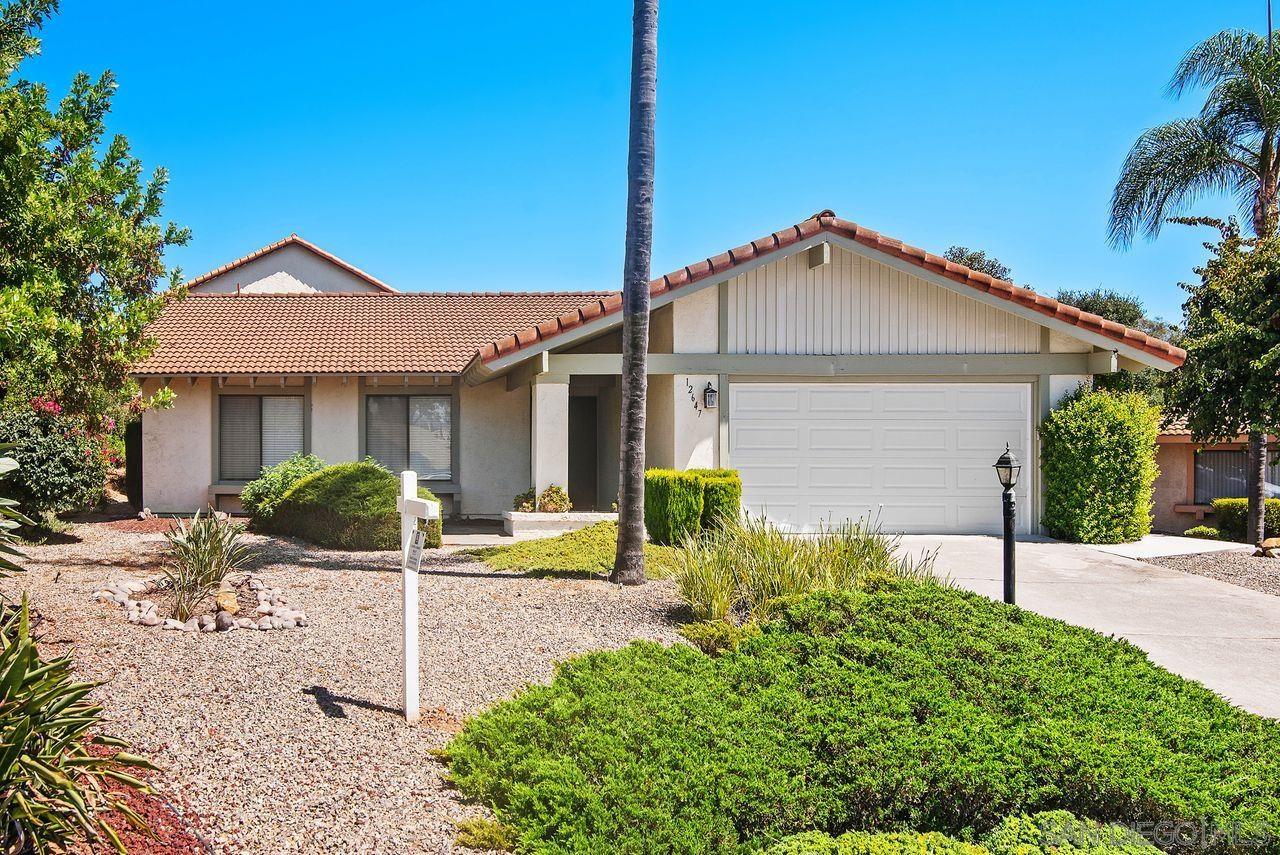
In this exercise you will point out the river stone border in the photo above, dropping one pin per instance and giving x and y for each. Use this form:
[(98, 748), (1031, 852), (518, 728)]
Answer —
[(272, 612)]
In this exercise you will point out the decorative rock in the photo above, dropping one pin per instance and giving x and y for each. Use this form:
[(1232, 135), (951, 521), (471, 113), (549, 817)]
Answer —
[(255, 585), (192, 625), (171, 623), (149, 620), (277, 623), (288, 623), (263, 610), (246, 623), (265, 623), (227, 602), (224, 622)]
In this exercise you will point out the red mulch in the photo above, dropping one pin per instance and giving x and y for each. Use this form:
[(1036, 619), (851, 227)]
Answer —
[(148, 526), (170, 833)]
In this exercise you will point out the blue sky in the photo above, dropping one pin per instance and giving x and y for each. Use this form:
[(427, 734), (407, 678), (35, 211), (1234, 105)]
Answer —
[(458, 146)]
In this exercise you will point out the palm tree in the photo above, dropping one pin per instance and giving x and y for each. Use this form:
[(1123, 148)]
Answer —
[(628, 564), (1231, 147)]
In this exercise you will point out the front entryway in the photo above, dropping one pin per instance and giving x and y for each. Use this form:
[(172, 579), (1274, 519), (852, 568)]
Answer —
[(915, 456), (583, 457)]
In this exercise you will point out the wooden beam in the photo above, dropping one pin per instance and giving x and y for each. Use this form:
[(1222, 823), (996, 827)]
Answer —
[(943, 365), (522, 375), (1103, 362), (819, 255)]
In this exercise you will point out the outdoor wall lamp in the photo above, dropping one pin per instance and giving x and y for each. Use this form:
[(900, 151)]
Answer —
[(1007, 468), (710, 397)]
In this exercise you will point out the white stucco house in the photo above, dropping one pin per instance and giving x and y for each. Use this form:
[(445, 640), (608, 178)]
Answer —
[(855, 375)]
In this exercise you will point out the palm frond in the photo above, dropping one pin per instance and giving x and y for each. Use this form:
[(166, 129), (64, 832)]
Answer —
[(1229, 53), (1169, 167)]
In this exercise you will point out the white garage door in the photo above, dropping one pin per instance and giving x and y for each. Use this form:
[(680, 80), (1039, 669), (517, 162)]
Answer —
[(917, 456)]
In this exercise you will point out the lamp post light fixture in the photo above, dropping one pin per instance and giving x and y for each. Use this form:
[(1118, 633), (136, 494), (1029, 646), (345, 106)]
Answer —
[(1007, 468), (710, 397)]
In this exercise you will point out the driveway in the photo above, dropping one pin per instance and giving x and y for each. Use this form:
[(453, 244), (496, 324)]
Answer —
[(1222, 635)]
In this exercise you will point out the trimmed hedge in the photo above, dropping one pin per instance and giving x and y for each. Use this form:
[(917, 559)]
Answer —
[(347, 506), (1204, 532), (721, 496), (1232, 517), (1098, 452), (672, 505), (1048, 833), (907, 707), (679, 503)]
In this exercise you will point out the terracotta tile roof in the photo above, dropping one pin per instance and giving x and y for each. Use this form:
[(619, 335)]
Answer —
[(422, 333), (1175, 427), (828, 222), (292, 239)]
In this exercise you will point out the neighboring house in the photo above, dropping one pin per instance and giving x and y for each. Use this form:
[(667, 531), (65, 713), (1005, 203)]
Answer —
[(1193, 474), (856, 376)]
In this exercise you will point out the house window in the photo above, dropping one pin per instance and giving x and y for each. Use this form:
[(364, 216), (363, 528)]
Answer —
[(255, 431), (411, 432), (1221, 475)]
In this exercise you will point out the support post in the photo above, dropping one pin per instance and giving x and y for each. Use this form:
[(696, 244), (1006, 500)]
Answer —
[(1010, 511), (409, 524)]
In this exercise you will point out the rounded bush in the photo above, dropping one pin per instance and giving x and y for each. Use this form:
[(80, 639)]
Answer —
[(1205, 532), (721, 496), (347, 506), (672, 505), (261, 495), (1098, 453), (61, 468)]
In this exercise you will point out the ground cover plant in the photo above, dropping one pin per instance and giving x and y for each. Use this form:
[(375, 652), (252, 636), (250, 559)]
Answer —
[(1057, 832), (585, 552), (907, 706), (347, 506)]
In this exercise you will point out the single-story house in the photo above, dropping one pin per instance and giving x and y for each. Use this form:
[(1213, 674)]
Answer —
[(844, 373), (1193, 474)]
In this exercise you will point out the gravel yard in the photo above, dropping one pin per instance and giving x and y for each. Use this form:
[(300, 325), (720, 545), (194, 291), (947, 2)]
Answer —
[(291, 741), (1237, 567)]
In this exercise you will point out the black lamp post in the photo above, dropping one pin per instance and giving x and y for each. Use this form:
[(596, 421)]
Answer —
[(1007, 469)]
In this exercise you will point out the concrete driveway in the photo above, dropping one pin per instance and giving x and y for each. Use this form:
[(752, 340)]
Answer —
[(1224, 636)]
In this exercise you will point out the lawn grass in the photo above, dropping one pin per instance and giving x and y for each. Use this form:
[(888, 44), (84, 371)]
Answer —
[(582, 553)]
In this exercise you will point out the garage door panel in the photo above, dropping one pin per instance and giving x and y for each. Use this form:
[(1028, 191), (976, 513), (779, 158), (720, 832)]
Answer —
[(818, 453), (846, 477)]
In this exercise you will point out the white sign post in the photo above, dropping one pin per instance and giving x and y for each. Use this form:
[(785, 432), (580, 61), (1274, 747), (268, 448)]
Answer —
[(411, 510)]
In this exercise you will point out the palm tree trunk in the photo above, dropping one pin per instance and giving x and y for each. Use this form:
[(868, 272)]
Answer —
[(628, 564), (1257, 477)]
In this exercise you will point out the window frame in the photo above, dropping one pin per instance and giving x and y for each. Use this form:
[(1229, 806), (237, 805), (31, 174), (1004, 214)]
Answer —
[(303, 392), (1273, 468), (449, 390)]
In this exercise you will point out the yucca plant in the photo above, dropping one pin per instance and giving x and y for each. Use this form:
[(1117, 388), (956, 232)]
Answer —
[(10, 520), (53, 789), (203, 551)]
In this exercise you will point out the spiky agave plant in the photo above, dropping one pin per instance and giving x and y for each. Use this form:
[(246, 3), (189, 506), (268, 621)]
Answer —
[(10, 520), (53, 788)]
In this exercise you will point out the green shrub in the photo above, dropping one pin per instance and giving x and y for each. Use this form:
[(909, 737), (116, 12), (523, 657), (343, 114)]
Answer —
[(62, 469), (904, 707), (588, 551), (1232, 516), (526, 502), (868, 843), (554, 500), (347, 506), (1048, 833), (261, 495), (1098, 455), (672, 505), (714, 637), (721, 497), (479, 833), (203, 553), (1059, 831), (55, 766), (1207, 532)]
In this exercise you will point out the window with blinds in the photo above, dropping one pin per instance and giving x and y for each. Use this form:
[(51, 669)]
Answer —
[(256, 431), (411, 432), (1221, 475)]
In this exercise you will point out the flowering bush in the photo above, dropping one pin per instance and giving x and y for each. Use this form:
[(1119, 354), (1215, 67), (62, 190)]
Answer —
[(62, 465)]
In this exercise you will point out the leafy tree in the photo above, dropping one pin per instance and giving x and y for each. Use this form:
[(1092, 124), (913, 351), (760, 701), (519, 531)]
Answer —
[(1125, 309), (976, 259), (1230, 147), (1228, 384), (81, 243), (628, 566)]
